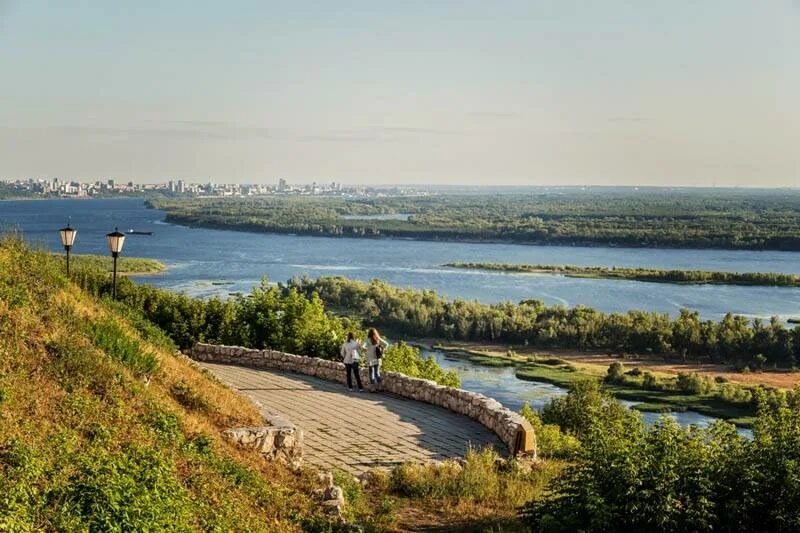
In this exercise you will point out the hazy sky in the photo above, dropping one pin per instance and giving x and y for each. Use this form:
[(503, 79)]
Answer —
[(481, 92)]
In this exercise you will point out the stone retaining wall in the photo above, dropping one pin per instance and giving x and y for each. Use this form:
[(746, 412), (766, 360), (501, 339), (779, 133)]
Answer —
[(512, 428), (280, 440)]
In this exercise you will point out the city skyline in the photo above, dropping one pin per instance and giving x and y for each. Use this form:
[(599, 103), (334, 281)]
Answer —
[(511, 93)]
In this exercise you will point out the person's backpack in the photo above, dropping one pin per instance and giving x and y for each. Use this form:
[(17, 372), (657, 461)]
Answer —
[(379, 351)]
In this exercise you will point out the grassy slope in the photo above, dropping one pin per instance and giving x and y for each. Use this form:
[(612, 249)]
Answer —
[(103, 424)]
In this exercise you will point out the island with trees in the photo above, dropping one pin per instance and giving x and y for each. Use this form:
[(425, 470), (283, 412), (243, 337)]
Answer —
[(631, 217), (693, 277)]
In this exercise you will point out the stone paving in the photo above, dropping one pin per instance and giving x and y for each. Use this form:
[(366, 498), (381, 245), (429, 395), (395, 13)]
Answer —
[(356, 431)]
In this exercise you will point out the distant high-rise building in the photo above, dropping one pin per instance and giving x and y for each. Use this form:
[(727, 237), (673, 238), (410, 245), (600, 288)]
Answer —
[(111, 184), (171, 186), (281, 184), (181, 186)]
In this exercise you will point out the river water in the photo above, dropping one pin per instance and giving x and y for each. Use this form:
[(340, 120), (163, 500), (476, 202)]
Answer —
[(199, 259), (502, 384)]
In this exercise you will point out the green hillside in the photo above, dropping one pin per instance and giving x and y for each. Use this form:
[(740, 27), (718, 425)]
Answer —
[(103, 426)]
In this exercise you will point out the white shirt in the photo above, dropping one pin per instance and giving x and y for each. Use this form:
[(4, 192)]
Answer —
[(350, 352)]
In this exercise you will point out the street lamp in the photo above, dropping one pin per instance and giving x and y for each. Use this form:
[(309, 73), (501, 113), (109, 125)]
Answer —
[(115, 241), (67, 239)]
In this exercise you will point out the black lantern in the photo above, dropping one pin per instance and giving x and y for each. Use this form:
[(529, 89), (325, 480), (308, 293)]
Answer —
[(115, 241), (67, 239)]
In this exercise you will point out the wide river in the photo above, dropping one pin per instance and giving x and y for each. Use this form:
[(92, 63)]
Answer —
[(199, 259)]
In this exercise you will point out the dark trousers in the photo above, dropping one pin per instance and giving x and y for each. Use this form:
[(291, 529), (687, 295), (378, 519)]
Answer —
[(353, 368)]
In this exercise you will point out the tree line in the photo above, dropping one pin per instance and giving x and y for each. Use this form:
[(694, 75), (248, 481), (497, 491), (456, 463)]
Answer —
[(757, 219), (278, 318), (424, 313), (774, 279)]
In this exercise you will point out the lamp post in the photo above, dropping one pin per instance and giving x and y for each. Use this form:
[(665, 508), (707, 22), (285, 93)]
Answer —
[(115, 241), (67, 239)]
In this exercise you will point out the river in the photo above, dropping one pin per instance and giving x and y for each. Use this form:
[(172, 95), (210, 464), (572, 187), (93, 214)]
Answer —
[(199, 257), (502, 384)]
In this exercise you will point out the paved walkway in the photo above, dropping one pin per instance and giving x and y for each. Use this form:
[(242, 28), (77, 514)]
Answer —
[(357, 431)]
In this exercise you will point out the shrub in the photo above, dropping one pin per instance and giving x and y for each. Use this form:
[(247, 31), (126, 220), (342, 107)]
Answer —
[(550, 440), (650, 381), (550, 361), (585, 405), (734, 394), (694, 383), (615, 373), (407, 359)]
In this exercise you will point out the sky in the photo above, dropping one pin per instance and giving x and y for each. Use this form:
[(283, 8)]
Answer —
[(561, 92)]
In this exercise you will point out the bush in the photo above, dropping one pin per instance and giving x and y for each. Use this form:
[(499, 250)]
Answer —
[(550, 440), (615, 373), (585, 405), (407, 359), (550, 361), (735, 394), (650, 381), (694, 383)]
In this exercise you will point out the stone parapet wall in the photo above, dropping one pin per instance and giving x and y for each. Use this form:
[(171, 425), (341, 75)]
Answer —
[(511, 427)]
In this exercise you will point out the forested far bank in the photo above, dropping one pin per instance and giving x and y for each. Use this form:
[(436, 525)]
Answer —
[(734, 340), (679, 218), (698, 277)]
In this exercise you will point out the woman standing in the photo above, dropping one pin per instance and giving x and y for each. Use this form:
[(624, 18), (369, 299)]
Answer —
[(350, 358), (375, 348)]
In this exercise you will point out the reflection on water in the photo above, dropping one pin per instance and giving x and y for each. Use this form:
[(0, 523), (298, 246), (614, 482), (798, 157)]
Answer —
[(502, 384)]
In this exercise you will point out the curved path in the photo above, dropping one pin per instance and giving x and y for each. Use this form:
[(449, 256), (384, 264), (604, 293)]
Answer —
[(356, 431)]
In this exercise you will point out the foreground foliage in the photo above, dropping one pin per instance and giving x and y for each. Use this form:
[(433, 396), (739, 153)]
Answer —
[(627, 476)]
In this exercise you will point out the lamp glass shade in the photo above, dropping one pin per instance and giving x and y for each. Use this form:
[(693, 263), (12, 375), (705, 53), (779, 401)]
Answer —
[(67, 236), (115, 241)]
